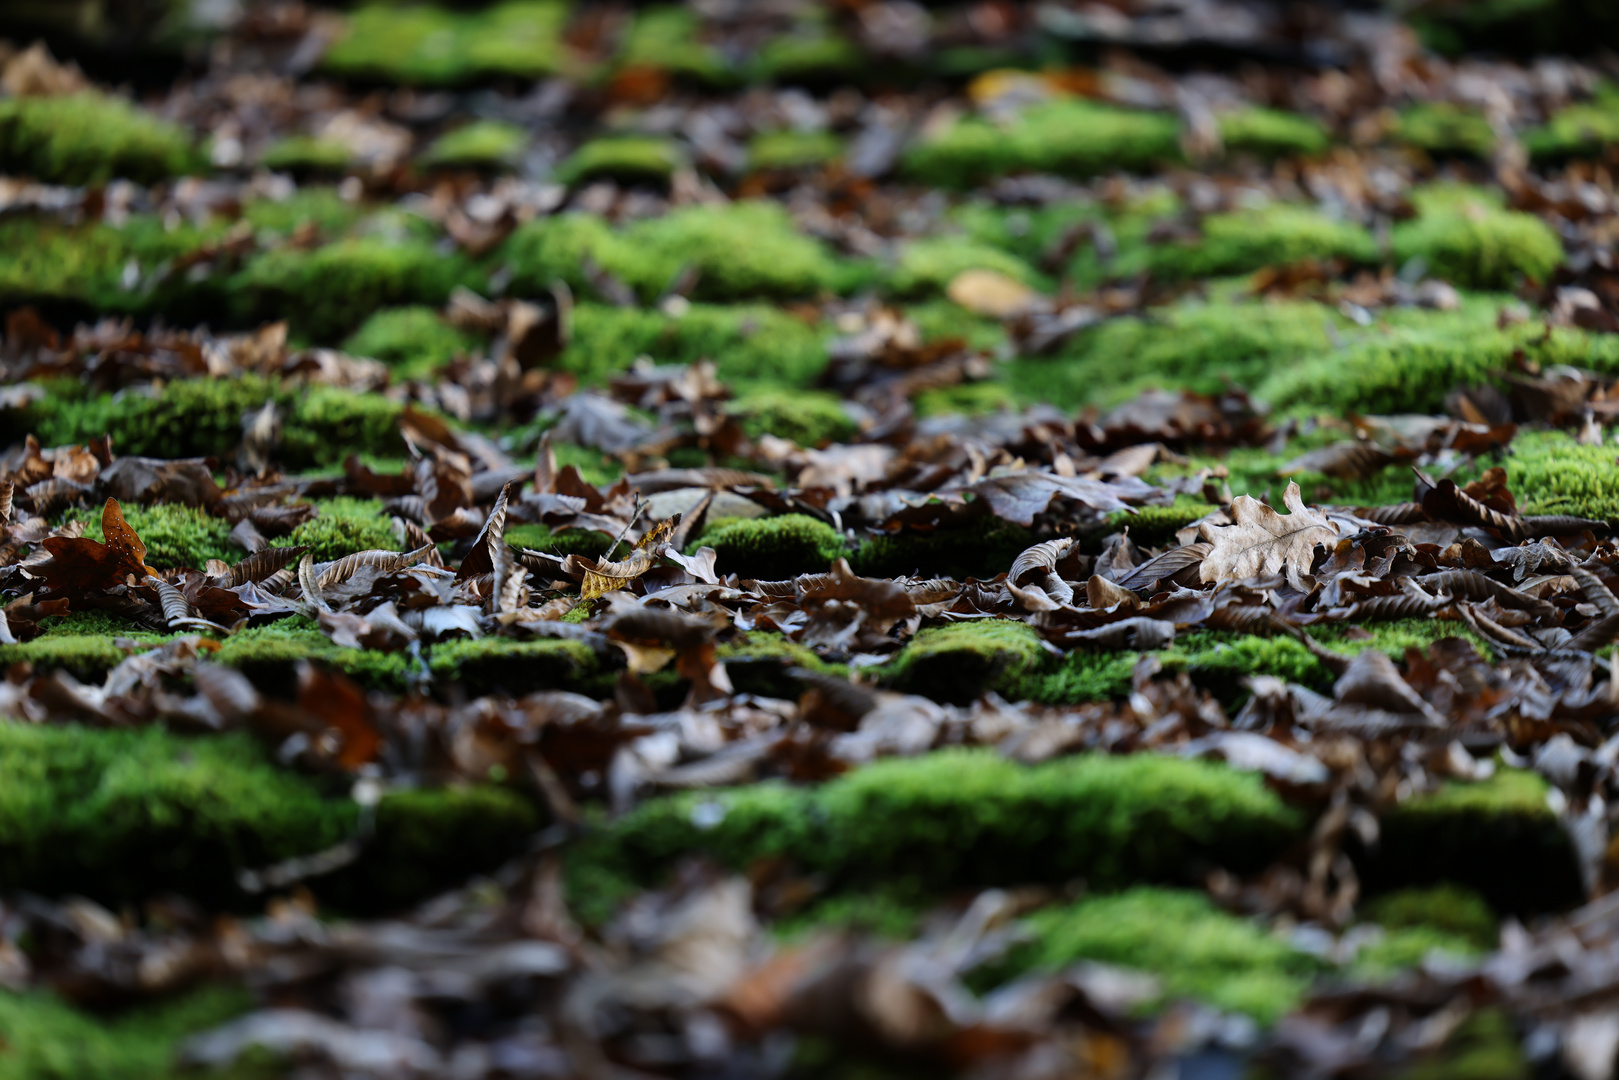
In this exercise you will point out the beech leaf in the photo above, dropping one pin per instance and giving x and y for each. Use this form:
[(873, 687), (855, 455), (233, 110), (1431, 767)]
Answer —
[(1262, 541)]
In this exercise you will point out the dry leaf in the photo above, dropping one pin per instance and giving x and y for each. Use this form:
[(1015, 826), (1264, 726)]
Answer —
[(1261, 541), (991, 293)]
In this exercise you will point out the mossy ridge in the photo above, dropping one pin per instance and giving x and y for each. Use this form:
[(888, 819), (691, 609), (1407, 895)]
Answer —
[(758, 662), (958, 817), (175, 535), (1196, 949), (1244, 240), (1552, 473), (1156, 526), (965, 399), (415, 340), (328, 291), (929, 265), (750, 344), (1459, 834), (1069, 138), (502, 665), (1463, 235), (585, 542), (45, 260), (980, 547), (793, 149), (809, 418), (1447, 908), (1586, 129), (316, 204), (771, 548), (1442, 128), (308, 155), (483, 144), (742, 250), (432, 46), (1272, 133), (344, 525), (89, 138), (269, 656), (630, 158), (203, 418), (667, 37), (958, 662), (1410, 361), (48, 1039), (811, 53)]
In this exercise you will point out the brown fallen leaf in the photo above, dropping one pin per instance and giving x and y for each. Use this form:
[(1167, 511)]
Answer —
[(1261, 541)]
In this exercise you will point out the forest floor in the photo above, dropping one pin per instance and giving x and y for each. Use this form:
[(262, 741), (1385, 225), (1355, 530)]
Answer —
[(794, 539)]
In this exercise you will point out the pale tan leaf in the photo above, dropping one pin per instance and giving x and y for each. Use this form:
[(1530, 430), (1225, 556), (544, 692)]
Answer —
[(1261, 541), (990, 292)]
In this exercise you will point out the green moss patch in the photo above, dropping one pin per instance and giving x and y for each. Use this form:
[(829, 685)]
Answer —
[(308, 155), (667, 38), (90, 138), (751, 344), (1474, 243), (503, 665), (1551, 473), (1271, 133), (1247, 240), (484, 144), (1445, 129), (632, 158), (961, 661), (48, 260), (808, 417), (1583, 130), (428, 45), (1197, 950), (773, 548), (1448, 908), (793, 149), (269, 656), (928, 266), (981, 547), (414, 339)]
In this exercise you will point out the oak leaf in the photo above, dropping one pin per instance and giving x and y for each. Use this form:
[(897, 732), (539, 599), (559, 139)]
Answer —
[(1261, 541)]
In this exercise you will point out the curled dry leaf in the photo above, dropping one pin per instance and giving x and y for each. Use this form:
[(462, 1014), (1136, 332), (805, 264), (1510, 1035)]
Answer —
[(1262, 541)]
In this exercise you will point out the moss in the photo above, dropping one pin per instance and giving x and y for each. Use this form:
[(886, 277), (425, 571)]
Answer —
[(50, 260), (667, 38), (559, 542), (1443, 128), (1515, 27), (748, 343), (741, 250), (1450, 909), (85, 656), (269, 656), (960, 661), (966, 399), (307, 155), (326, 292), (1477, 245), (758, 663), (632, 158), (808, 54), (880, 912), (426, 837), (48, 1039), (1496, 836), (807, 417), (414, 339), (428, 45), (483, 144), (1210, 955), (118, 814), (1551, 473), (89, 138), (318, 205), (175, 535), (1483, 1047), (929, 265), (772, 548), (1247, 240), (343, 526), (1412, 360), (1156, 526), (1070, 138), (1400, 950), (964, 817), (1271, 133), (503, 665), (1585, 130), (980, 547), (940, 318), (793, 149), (1198, 345)]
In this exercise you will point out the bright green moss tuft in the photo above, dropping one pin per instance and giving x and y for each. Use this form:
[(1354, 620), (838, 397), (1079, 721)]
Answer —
[(928, 266), (966, 399), (483, 144), (1156, 526), (748, 343), (960, 661), (319, 205), (1197, 950), (90, 138), (773, 548), (1271, 133), (1475, 244), (1247, 240), (793, 149), (326, 292), (429, 45), (808, 54), (414, 339), (48, 1039), (744, 249), (1443, 128), (1071, 138), (632, 158), (966, 818), (1551, 473), (666, 37), (269, 656), (981, 547), (85, 656), (1583, 130), (46, 259), (758, 663), (175, 535), (343, 526), (559, 542), (1400, 950), (1450, 909), (807, 417), (503, 665), (308, 154)]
